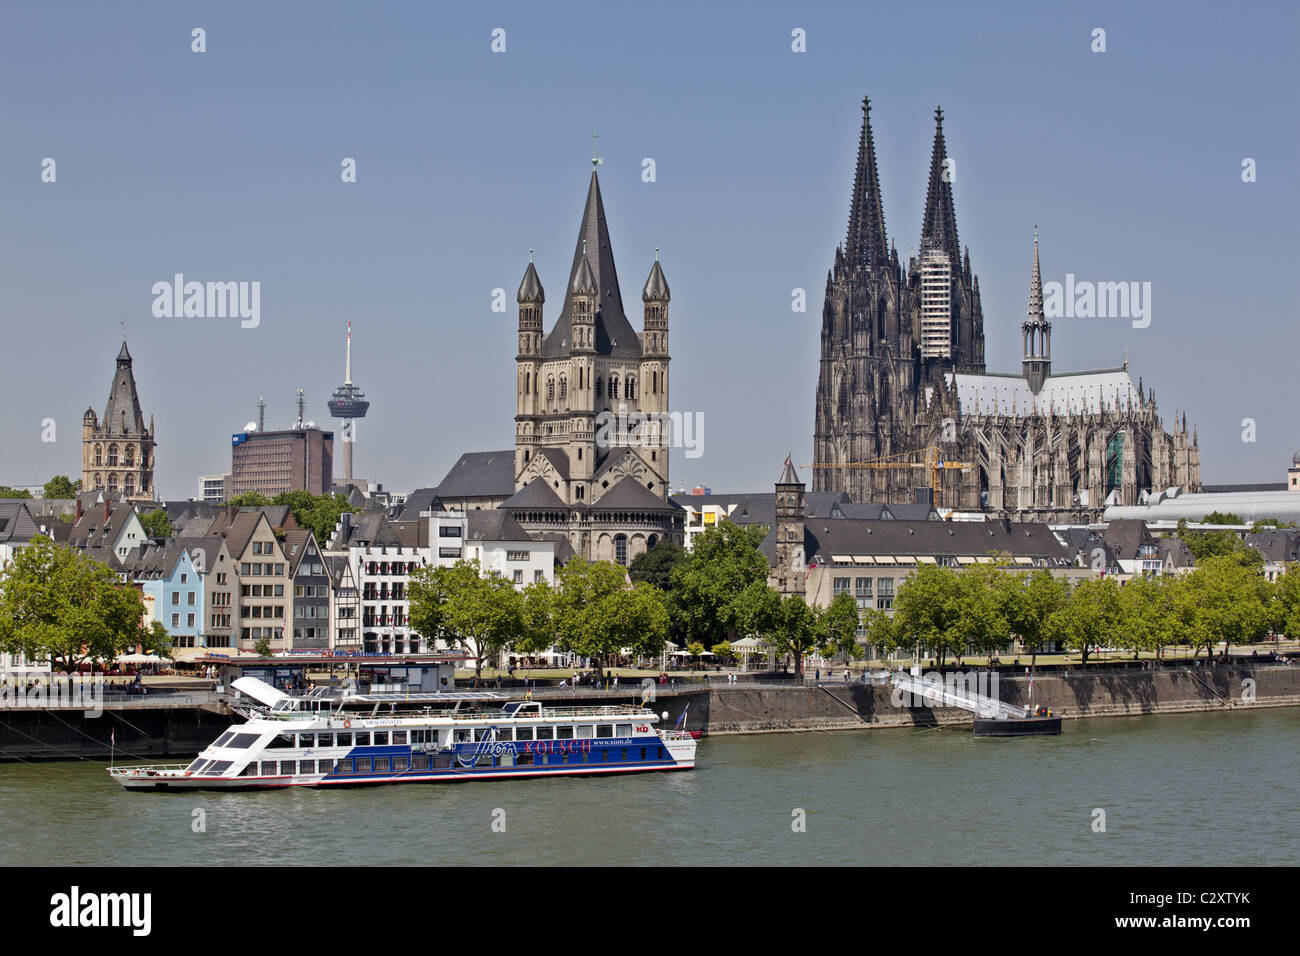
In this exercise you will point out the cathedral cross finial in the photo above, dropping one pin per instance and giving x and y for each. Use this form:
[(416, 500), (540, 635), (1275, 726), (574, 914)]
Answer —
[(595, 160), (1126, 358)]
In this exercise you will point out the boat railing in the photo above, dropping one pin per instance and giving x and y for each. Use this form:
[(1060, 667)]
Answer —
[(147, 770)]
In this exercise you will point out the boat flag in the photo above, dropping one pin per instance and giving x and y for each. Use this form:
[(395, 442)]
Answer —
[(681, 721)]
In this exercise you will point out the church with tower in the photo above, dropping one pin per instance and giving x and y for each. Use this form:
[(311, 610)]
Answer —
[(117, 451), (591, 438), (903, 395)]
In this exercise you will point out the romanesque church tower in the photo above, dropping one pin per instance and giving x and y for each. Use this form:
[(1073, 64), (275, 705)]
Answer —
[(117, 451), (591, 426)]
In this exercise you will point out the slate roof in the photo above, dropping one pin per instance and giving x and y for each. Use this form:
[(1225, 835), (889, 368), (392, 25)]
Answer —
[(824, 539), (480, 474), (1277, 545), (16, 522), (536, 494), (1124, 536), (495, 525), (630, 494), (420, 500), (614, 334), (1071, 393), (122, 415)]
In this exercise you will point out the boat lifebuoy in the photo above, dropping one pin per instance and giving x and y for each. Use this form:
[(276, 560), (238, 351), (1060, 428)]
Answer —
[(347, 723)]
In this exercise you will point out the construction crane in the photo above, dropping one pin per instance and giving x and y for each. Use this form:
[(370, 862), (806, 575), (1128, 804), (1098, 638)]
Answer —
[(934, 464)]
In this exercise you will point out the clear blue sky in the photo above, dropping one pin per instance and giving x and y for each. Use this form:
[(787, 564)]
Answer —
[(225, 166)]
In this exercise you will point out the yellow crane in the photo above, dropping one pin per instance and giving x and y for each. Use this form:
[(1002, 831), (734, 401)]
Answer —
[(934, 464)]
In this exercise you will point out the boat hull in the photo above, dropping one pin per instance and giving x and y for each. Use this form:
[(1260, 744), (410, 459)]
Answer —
[(1017, 727)]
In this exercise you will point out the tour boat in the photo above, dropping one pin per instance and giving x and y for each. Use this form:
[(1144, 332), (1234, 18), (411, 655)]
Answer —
[(324, 740)]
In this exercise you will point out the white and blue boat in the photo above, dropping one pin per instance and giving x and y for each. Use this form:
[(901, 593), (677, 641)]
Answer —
[(325, 739)]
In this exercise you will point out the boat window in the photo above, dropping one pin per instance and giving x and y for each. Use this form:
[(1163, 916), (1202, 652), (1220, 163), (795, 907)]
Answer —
[(249, 771), (545, 733), (363, 738), (399, 736), (221, 741), (523, 733), (507, 760), (306, 766), (442, 763), (194, 767), (287, 768), (420, 763), (604, 730), (661, 753), (482, 733), (418, 736), (243, 741), (343, 766), (400, 763), (524, 760), (268, 768), (564, 732), (363, 764), (325, 740), (345, 740), (624, 730), (505, 733), (381, 764), (643, 750), (218, 767), (306, 741), (284, 740), (460, 735), (586, 731), (381, 738)]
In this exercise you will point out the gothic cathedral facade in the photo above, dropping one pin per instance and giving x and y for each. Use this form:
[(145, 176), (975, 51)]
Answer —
[(904, 400)]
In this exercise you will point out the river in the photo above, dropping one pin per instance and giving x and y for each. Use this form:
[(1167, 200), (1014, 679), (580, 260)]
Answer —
[(1189, 789)]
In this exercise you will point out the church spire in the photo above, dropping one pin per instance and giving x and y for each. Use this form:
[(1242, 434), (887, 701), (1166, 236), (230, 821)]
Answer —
[(939, 226), (1036, 333), (866, 241)]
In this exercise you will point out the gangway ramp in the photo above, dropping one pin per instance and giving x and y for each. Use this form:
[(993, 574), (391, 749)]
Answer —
[(953, 692)]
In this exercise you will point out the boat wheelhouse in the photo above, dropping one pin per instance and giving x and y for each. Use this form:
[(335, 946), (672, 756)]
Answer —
[(319, 740)]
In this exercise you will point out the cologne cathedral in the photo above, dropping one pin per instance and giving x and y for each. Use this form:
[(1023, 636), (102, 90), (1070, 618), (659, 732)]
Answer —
[(904, 401)]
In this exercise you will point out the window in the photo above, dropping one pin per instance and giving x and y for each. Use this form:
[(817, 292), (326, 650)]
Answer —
[(620, 549), (176, 620), (519, 577), (545, 733), (884, 594), (516, 555), (840, 586)]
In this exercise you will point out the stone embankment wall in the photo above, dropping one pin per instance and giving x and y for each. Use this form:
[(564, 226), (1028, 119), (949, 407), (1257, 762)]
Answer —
[(843, 706)]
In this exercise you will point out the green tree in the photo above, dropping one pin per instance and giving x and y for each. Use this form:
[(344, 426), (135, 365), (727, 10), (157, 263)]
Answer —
[(262, 647), (1265, 524), (655, 565), (1231, 603), (1215, 544), (837, 628), (487, 615), (431, 592), (154, 639), (707, 584), (1089, 618), (925, 612), (250, 499), (598, 614), (538, 633), (796, 630), (1031, 601), (61, 606), (156, 523), (61, 486), (317, 513), (1287, 603), (7, 492), (722, 652)]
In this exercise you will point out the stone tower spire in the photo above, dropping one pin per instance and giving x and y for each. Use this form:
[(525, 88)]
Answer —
[(939, 225), (1036, 332), (791, 569), (867, 245)]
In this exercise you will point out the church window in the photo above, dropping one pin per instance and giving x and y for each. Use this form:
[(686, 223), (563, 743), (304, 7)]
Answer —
[(112, 456), (112, 482), (613, 387), (579, 378), (99, 455), (564, 388), (128, 456), (550, 389), (578, 492), (629, 387), (579, 454), (128, 485), (599, 383), (620, 549), (528, 382)]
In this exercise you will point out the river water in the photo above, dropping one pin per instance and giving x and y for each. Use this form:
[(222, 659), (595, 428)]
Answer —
[(1194, 789)]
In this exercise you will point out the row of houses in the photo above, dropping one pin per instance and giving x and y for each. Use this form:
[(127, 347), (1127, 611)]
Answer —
[(229, 579)]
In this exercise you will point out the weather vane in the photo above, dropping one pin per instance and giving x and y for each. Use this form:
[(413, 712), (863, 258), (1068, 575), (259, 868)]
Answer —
[(595, 160)]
